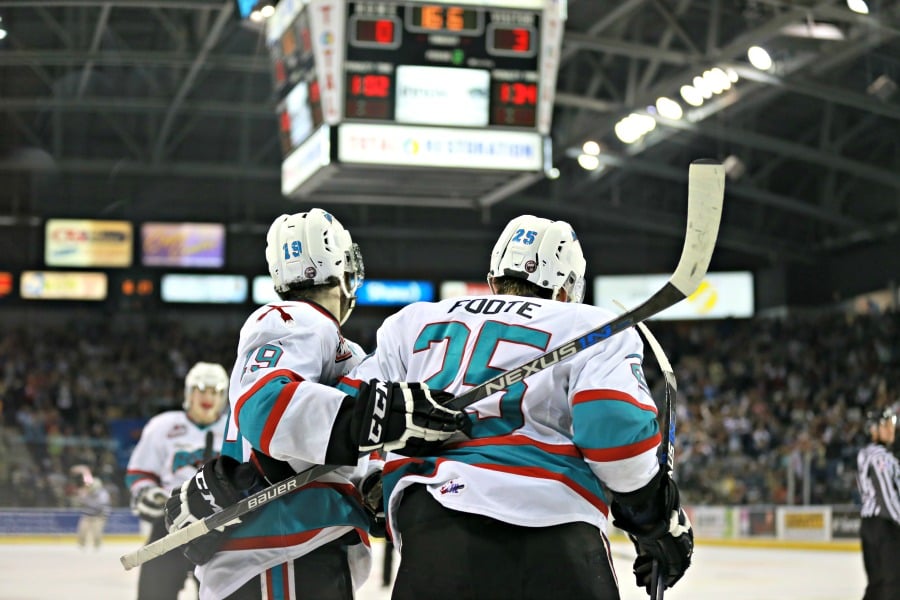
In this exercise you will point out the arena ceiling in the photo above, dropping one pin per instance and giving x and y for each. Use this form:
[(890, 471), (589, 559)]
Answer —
[(162, 110)]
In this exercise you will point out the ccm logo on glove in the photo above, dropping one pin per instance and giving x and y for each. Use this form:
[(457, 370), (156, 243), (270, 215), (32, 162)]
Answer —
[(379, 410), (205, 492)]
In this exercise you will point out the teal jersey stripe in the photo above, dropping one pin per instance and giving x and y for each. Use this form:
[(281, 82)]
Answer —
[(304, 510), (277, 581), (516, 456), (347, 389), (257, 408), (610, 423)]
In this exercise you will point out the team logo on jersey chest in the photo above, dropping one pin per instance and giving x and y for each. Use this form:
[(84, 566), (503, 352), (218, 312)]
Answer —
[(177, 430)]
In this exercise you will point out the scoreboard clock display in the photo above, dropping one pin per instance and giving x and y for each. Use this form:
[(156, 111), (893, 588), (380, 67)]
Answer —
[(442, 64), (414, 85)]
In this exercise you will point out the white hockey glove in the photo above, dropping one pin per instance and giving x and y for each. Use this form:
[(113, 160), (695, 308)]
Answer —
[(150, 502), (219, 483), (407, 418)]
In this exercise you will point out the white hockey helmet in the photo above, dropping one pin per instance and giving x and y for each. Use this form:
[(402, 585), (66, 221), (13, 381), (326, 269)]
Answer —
[(209, 378), (312, 247), (546, 253)]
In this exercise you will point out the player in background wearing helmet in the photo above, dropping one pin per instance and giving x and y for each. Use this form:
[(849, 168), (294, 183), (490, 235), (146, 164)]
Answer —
[(92, 499), (519, 509), (172, 445), (879, 489), (285, 417)]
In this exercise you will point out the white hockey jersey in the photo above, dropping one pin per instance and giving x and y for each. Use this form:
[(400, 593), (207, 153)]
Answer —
[(539, 450), (282, 404), (170, 450)]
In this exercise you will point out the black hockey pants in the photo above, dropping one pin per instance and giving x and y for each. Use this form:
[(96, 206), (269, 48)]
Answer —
[(459, 556)]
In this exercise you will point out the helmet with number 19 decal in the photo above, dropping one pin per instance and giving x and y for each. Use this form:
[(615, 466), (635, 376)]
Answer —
[(543, 252), (313, 248)]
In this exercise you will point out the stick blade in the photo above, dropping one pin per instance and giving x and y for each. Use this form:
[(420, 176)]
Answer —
[(706, 193)]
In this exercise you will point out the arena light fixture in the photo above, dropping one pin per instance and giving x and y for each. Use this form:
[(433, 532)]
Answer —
[(759, 58), (702, 86), (634, 127), (588, 162), (591, 147), (668, 108), (691, 95), (858, 6)]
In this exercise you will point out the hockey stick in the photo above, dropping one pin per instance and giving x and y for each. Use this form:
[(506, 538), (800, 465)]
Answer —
[(667, 446), (666, 454), (706, 188)]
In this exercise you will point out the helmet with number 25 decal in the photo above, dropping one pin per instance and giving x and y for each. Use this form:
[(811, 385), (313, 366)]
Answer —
[(543, 252), (312, 249)]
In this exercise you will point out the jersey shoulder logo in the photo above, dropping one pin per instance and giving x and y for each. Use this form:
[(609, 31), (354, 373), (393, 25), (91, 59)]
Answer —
[(343, 351), (176, 431)]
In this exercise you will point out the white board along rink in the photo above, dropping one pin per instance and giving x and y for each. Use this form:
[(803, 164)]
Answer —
[(59, 569)]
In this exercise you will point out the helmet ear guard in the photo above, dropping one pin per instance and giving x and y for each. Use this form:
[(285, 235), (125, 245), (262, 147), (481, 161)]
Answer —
[(544, 252)]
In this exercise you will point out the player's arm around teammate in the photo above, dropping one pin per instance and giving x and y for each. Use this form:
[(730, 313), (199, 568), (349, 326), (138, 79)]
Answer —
[(520, 508), (285, 417)]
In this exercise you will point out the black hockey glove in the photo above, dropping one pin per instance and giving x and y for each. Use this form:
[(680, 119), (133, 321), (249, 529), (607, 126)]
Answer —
[(373, 501), (407, 418), (218, 484), (659, 529), (150, 503)]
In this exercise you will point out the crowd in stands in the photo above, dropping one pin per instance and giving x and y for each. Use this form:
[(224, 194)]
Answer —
[(758, 400)]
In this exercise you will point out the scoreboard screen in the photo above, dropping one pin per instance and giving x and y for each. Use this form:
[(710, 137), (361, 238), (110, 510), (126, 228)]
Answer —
[(417, 85), (439, 64)]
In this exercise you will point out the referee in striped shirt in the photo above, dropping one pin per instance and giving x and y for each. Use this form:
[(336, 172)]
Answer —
[(879, 487)]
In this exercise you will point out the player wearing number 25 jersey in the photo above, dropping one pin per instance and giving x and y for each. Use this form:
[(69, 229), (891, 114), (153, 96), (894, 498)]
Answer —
[(518, 509)]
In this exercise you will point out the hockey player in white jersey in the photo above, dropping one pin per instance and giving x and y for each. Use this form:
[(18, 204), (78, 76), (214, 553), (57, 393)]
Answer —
[(172, 445), (519, 509), (285, 417)]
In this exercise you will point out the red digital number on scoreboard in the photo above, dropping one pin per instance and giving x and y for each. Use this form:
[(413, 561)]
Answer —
[(518, 94), (370, 86), (382, 32), (514, 103), (512, 41)]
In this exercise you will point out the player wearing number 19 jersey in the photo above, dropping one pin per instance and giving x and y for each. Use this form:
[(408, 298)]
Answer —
[(518, 509)]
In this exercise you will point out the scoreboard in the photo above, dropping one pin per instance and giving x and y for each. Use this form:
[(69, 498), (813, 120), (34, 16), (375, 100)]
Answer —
[(466, 85)]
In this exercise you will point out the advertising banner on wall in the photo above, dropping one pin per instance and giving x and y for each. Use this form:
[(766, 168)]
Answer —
[(454, 289), (87, 243), (60, 285), (212, 289), (803, 522), (720, 295), (200, 245)]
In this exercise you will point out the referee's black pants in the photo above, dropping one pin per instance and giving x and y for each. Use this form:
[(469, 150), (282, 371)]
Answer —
[(881, 557), (457, 556)]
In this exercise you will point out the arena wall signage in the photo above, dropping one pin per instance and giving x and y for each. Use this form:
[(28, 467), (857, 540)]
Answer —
[(61, 285), (720, 295), (200, 245), (87, 243), (209, 289)]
